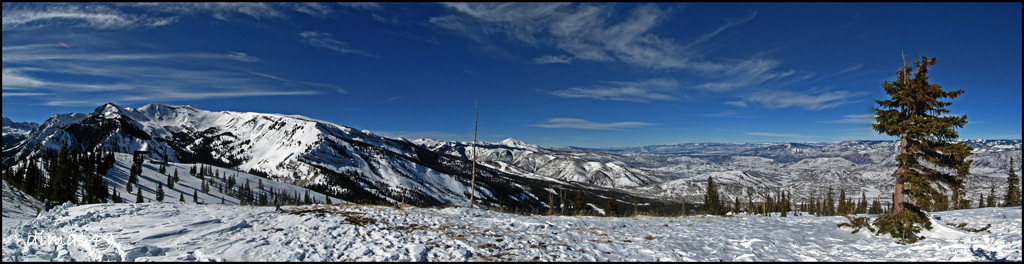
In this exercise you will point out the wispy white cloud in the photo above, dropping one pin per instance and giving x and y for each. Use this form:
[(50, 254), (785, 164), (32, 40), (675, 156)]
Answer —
[(326, 41), (218, 10), (641, 92), (737, 103), (849, 69), (314, 9), (742, 74), (763, 134), (28, 16), (728, 24), (552, 59), (137, 76), (854, 119), (120, 16), (30, 53), (361, 5), (729, 114), (6, 94), (584, 124), (811, 100), (13, 79), (581, 30), (587, 32)]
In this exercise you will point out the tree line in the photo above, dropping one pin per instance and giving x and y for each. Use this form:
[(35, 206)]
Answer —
[(78, 177)]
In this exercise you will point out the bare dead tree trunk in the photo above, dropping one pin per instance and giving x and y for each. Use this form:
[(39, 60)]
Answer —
[(472, 185)]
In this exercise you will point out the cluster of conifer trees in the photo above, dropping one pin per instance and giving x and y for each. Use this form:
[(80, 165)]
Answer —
[(77, 177), (67, 174)]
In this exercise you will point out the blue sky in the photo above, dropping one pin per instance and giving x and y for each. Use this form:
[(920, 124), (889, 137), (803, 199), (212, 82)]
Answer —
[(551, 74)]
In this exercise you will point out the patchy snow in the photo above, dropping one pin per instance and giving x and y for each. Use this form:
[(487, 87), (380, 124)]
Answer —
[(184, 231), (18, 206)]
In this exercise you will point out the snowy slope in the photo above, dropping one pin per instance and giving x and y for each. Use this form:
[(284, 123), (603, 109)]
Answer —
[(517, 157), (352, 164), (151, 178), (18, 206), (190, 232)]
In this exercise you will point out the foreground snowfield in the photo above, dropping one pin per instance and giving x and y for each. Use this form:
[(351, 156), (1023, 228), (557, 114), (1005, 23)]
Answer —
[(172, 231)]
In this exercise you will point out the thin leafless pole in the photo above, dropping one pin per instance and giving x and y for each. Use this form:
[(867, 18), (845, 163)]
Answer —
[(472, 185)]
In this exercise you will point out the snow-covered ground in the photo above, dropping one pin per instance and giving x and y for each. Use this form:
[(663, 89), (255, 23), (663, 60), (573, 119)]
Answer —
[(173, 231), (18, 207)]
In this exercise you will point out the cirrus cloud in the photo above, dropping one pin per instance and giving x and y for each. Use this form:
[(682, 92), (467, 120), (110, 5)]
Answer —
[(589, 125)]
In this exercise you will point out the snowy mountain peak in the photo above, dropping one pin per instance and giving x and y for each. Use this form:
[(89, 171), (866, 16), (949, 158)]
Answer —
[(108, 110), (515, 143), (17, 127)]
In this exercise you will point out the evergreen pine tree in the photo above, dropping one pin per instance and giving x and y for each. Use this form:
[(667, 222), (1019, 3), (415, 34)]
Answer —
[(736, 205), (862, 207), (981, 200), (844, 207), (328, 200), (1012, 196), (138, 196), (128, 187), (34, 182), (192, 171), (159, 192), (991, 201), (176, 179), (917, 116), (577, 205), (65, 174), (170, 182), (307, 200), (830, 208), (711, 205), (181, 197), (195, 196), (613, 207), (876, 207)]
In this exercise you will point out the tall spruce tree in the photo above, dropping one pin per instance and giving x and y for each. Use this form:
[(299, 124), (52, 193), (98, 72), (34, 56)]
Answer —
[(876, 207), (862, 206), (577, 205), (1012, 196), (159, 192), (844, 207), (712, 205), (736, 205), (613, 207), (63, 181), (916, 115), (138, 196), (991, 200), (830, 203)]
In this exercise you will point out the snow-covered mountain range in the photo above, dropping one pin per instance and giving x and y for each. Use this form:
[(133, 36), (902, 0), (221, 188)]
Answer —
[(353, 163), (740, 169), (13, 132)]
